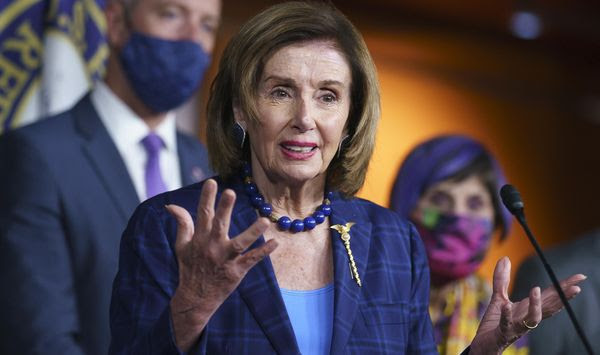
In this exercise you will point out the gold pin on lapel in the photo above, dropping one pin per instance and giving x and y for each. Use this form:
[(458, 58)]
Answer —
[(344, 231)]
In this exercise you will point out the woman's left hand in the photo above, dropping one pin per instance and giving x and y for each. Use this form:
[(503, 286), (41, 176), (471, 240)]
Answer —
[(505, 321)]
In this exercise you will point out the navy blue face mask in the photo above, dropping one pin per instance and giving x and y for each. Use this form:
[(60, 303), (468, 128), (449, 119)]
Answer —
[(163, 73)]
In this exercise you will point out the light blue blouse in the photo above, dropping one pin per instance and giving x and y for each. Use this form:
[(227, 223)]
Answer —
[(311, 315)]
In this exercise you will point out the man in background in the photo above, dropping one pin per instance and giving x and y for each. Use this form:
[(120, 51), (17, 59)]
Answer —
[(557, 335), (69, 183)]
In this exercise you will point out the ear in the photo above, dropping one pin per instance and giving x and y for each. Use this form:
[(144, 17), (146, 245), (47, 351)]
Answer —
[(117, 31)]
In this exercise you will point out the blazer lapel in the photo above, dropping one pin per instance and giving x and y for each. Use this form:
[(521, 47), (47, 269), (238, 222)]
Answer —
[(191, 171), (260, 291), (347, 291), (104, 157)]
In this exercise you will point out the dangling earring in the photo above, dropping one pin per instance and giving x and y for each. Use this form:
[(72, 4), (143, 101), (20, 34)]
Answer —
[(340, 147), (239, 134)]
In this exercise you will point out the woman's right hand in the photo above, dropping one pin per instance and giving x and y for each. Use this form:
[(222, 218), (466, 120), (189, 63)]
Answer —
[(211, 265)]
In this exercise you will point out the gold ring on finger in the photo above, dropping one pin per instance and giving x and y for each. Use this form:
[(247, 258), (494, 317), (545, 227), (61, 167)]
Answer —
[(529, 326)]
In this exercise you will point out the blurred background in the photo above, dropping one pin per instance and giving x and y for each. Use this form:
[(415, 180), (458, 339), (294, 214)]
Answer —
[(521, 76)]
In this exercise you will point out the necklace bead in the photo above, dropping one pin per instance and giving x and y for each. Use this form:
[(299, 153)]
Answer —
[(284, 223)]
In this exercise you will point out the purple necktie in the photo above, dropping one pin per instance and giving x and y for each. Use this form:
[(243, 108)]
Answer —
[(154, 181)]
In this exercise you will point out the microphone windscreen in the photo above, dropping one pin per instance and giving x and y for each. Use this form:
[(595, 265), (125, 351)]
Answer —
[(511, 198)]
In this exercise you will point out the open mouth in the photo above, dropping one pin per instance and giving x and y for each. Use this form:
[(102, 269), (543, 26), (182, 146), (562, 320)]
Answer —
[(298, 149)]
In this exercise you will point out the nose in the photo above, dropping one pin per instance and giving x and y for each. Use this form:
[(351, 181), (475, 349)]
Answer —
[(462, 208), (303, 117), (459, 209)]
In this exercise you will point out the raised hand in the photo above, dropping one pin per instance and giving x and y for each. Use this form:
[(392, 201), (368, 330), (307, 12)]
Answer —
[(505, 321), (211, 265)]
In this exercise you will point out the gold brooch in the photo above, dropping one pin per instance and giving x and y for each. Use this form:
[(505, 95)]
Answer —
[(344, 231)]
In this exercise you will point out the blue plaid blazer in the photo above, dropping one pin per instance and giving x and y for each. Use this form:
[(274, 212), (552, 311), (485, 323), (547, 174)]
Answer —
[(387, 315)]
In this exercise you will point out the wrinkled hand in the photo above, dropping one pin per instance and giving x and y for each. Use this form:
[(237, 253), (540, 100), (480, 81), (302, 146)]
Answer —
[(211, 265), (504, 321)]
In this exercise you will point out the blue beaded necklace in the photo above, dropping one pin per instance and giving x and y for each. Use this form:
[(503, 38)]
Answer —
[(284, 223)]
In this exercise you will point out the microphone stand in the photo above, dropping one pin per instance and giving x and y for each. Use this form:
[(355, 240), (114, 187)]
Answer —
[(520, 215)]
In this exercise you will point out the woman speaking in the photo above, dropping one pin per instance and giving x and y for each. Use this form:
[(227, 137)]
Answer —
[(275, 255)]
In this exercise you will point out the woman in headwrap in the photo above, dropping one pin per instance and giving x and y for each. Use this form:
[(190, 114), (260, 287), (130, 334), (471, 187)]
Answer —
[(448, 187)]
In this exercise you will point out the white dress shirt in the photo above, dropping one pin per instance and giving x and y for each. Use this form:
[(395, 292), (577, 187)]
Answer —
[(127, 130)]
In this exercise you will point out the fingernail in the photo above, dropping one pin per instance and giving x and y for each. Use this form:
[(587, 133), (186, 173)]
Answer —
[(504, 262)]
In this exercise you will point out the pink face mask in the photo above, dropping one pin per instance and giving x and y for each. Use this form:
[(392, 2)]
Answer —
[(456, 245)]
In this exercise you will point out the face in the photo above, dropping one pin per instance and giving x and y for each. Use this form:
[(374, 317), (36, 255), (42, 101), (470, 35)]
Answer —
[(193, 20), (303, 104), (468, 198)]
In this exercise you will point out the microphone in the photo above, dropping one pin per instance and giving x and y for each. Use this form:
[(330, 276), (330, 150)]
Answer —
[(511, 198)]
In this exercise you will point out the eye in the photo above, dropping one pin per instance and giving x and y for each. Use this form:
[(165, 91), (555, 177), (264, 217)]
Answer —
[(279, 93), (441, 200), (327, 95), (329, 98), (208, 26), (475, 202), (170, 13)]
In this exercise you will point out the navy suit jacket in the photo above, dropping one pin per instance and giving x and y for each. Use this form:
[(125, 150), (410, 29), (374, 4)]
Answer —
[(387, 315), (65, 198), (557, 335)]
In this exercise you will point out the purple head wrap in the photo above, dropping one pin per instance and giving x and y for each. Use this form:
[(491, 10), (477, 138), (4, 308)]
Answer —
[(436, 160)]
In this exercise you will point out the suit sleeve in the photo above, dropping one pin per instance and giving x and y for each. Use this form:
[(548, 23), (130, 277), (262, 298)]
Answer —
[(39, 309), (140, 317), (531, 273), (421, 332), (549, 337)]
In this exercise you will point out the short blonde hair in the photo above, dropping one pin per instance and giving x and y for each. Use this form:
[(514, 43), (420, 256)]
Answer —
[(240, 70)]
